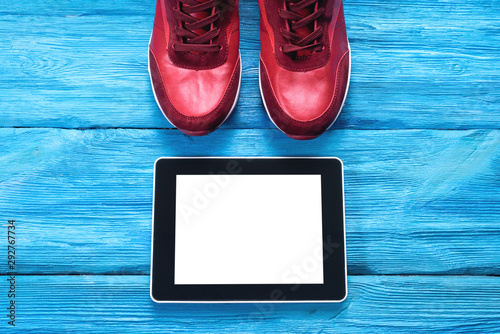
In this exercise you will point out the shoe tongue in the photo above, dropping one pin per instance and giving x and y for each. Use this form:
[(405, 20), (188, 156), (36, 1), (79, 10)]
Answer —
[(202, 15), (305, 31)]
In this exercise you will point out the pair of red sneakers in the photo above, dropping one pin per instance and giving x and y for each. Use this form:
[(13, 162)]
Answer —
[(195, 65)]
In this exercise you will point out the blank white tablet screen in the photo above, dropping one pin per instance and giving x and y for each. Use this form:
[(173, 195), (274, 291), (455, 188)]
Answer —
[(248, 229)]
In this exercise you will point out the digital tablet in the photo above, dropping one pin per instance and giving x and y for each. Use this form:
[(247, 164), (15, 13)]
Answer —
[(229, 230)]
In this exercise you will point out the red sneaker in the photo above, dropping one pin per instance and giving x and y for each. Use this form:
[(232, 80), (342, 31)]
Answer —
[(304, 64), (194, 62)]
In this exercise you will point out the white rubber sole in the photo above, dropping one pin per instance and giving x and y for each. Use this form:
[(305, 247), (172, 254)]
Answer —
[(162, 111), (341, 107)]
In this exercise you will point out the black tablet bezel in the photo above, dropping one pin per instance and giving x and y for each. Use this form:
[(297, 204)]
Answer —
[(163, 288)]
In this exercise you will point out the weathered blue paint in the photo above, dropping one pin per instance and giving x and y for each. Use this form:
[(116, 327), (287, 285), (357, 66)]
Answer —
[(419, 138)]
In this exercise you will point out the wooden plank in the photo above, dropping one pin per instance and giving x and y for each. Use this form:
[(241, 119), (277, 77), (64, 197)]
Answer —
[(92, 304), (416, 64), (81, 7), (417, 201)]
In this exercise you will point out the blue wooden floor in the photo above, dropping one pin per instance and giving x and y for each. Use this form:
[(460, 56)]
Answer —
[(419, 137)]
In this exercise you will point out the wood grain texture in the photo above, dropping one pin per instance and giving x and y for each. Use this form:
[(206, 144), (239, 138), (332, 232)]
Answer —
[(416, 64), (97, 304), (417, 201)]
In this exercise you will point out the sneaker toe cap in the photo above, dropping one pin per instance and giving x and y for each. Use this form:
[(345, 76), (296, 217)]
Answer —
[(305, 111), (195, 106)]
